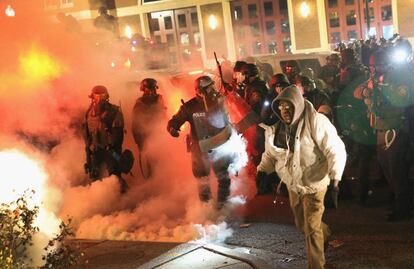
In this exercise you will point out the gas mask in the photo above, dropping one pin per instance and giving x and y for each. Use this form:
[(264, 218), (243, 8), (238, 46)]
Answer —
[(209, 95)]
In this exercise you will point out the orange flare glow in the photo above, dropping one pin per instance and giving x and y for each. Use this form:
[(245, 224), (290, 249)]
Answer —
[(37, 65)]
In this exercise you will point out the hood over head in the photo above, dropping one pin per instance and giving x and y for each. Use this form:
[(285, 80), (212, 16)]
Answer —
[(294, 96)]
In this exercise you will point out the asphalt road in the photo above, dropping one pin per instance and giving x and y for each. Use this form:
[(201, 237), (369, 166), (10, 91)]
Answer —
[(361, 239)]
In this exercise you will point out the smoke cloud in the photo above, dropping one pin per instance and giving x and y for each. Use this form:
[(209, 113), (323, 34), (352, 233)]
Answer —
[(45, 79)]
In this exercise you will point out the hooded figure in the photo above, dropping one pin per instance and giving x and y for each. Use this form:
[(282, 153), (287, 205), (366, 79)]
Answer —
[(307, 154)]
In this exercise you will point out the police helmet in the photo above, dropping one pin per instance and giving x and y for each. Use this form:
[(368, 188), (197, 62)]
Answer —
[(238, 66), (249, 70), (202, 83), (279, 80), (99, 89), (308, 72), (307, 81), (148, 83)]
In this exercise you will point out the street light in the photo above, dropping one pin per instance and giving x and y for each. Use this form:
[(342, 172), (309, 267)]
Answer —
[(212, 22), (304, 9), (128, 31)]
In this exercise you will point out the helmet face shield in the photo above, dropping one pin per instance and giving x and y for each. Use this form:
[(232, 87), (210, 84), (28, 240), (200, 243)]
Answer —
[(99, 94), (204, 85), (99, 98), (149, 85)]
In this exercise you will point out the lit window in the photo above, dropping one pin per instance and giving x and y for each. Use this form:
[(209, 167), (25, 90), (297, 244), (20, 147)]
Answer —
[(194, 19), (371, 14), (387, 31), (351, 18), (272, 47), (168, 22), (257, 47), (268, 8), (154, 24), (284, 25), (182, 22), (386, 13), (270, 27), (252, 11), (254, 29), (352, 35), (334, 19), (335, 37), (238, 14), (197, 39), (283, 6), (287, 44), (185, 39), (332, 3)]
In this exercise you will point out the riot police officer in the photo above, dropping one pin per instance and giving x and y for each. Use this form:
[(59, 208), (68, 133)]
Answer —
[(388, 96), (104, 135), (149, 110), (210, 128)]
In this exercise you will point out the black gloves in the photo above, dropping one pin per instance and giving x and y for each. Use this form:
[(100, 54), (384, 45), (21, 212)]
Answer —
[(331, 197), (174, 132), (261, 183)]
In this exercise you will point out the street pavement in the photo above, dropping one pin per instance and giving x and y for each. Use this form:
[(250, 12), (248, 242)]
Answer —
[(266, 238)]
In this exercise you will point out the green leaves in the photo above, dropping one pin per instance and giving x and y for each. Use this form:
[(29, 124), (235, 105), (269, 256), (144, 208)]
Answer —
[(16, 234)]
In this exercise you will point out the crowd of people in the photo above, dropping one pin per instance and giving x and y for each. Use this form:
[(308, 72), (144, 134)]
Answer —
[(306, 126)]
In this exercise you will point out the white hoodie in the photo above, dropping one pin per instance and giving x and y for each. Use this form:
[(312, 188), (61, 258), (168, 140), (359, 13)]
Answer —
[(318, 154)]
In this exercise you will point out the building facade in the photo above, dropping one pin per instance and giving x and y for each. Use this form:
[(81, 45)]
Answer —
[(192, 30), (347, 19)]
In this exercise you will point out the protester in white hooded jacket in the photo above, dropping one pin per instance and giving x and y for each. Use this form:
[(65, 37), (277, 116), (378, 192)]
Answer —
[(306, 152)]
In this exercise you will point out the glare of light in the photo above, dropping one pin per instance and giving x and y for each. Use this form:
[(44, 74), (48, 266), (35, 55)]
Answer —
[(304, 9), (112, 64), (133, 48), (174, 101), (195, 72), (134, 42), (21, 173), (400, 55), (37, 65), (128, 31), (266, 103), (127, 63), (212, 22), (10, 11)]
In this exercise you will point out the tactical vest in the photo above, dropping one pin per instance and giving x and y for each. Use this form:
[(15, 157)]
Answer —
[(99, 126), (212, 128)]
